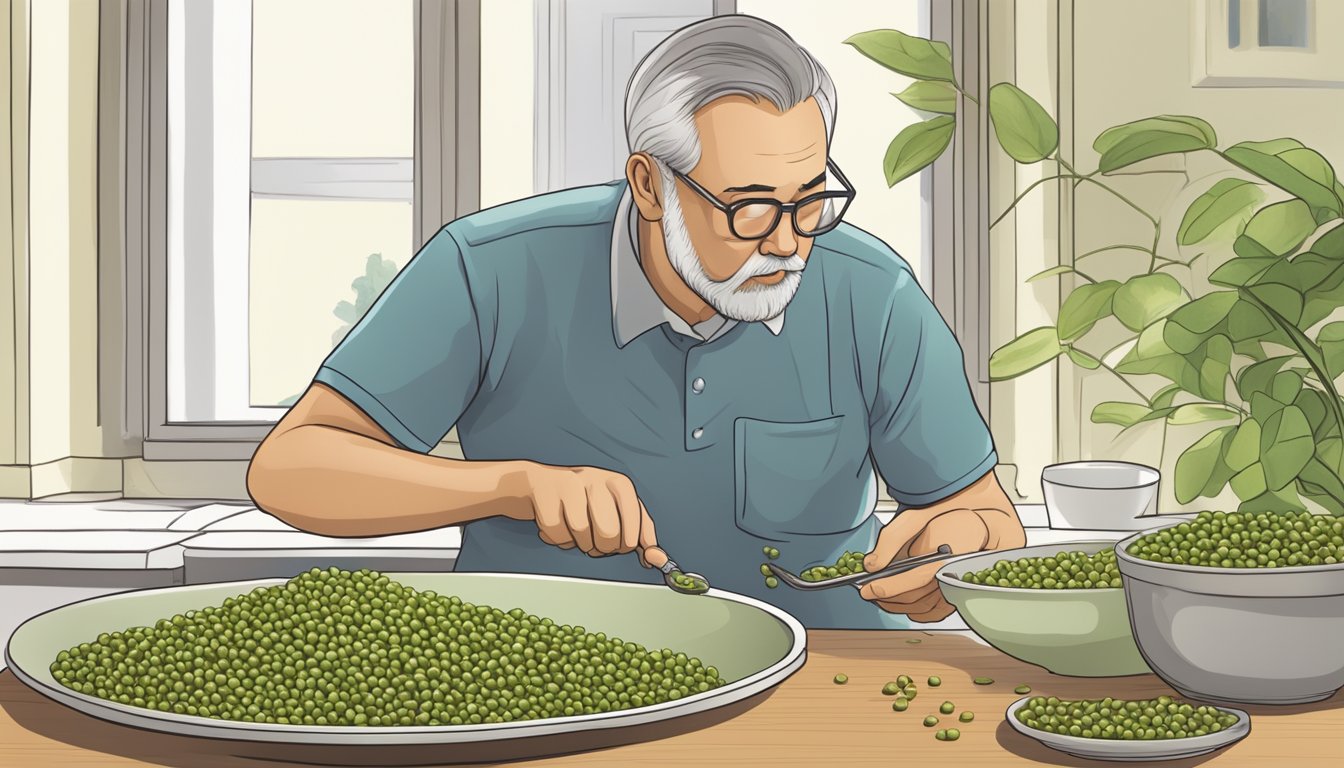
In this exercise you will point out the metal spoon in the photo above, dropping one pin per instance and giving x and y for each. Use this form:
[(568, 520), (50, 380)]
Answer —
[(859, 579), (689, 583)]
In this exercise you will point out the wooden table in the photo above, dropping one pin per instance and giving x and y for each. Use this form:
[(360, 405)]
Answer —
[(807, 721)]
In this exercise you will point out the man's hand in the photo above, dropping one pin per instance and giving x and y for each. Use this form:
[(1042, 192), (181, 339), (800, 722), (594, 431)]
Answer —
[(979, 518), (593, 509)]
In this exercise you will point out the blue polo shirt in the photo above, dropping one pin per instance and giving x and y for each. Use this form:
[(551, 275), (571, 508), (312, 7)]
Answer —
[(736, 437)]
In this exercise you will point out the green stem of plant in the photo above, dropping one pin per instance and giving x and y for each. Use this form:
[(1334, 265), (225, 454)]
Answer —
[(1025, 192), (1292, 332), (1139, 248), (1108, 188), (1125, 381)]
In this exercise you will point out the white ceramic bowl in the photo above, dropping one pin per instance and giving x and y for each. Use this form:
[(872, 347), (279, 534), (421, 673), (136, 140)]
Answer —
[(1101, 495)]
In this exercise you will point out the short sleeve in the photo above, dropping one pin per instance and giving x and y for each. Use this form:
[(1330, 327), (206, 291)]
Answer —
[(413, 362), (928, 438)]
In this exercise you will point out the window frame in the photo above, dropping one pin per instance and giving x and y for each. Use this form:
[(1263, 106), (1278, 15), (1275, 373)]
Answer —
[(446, 185), (959, 196)]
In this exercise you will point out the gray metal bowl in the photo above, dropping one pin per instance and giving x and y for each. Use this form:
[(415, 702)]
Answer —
[(1078, 632), (1238, 635), (754, 645), (1133, 751)]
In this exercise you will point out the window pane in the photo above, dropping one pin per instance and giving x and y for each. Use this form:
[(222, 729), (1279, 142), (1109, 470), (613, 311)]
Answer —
[(290, 134), (316, 265), (1283, 23), (333, 78)]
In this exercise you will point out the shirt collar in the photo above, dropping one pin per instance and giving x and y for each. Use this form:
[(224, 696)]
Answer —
[(635, 306)]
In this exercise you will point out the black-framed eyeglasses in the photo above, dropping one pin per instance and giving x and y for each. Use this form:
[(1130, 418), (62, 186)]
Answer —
[(755, 218)]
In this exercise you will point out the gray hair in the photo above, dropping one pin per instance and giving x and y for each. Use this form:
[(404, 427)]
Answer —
[(733, 55)]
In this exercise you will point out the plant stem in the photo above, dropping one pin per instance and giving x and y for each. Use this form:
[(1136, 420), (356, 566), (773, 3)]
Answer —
[(1139, 248), (1145, 173), (1108, 188), (1025, 192), (1292, 332), (1125, 381)]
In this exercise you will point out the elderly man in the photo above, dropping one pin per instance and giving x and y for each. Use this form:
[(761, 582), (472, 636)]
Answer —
[(704, 345)]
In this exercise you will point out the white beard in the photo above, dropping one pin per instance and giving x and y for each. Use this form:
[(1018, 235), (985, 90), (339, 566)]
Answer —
[(728, 297)]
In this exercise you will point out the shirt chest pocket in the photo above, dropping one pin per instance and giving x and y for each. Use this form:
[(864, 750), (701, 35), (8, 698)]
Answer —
[(796, 478)]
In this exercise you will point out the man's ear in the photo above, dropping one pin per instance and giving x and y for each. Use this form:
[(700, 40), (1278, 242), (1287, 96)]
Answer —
[(645, 185)]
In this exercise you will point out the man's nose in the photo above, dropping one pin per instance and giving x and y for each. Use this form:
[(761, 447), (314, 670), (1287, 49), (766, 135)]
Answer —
[(783, 242)]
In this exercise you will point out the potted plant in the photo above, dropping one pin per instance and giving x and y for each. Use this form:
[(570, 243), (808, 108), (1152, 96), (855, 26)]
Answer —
[(1252, 351)]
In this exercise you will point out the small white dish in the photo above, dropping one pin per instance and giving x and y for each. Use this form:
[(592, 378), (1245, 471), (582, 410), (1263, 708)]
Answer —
[(1135, 750), (1101, 495)]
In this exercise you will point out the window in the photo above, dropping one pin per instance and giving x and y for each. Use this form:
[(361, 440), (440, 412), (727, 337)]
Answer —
[(290, 130), (287, 158)]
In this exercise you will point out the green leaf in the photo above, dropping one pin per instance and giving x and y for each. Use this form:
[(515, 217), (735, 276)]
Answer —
[(1027, 352), (1246, 321), (1280, 298), (1267, 160), (937, 96), (1285, 386), (1252, 349), (1312, 403), (1197, 413), (1229, 199), (1242, 270), (1082, 359), (1197, 463), (1151, 137), (1145, 298), (1286, 445), (1165, 395), (1331, 340), (1282, 500), (1258, 377), (1025, 130), (1149, 353), (1202, 314), (1244, 449), (1279, 228), (1085, 305), (1214, 369), (916, 147), (1249, 482), (909, 55), (1124, 414), (1180, 339), (1051, 272), (1319, 474), (1263, 406)]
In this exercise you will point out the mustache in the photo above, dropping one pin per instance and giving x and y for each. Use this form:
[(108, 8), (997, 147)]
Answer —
[(759, 265)]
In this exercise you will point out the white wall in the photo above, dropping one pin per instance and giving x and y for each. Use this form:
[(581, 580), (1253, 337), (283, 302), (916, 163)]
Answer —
[(507, 52)]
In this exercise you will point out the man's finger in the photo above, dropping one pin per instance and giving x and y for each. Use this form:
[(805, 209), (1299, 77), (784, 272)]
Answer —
[(942, 611), (605, 520), (550, 518), (879, 592), (891, 586), (575, 502), (630, 510), (921, 605), (897, 534), (650, 554)]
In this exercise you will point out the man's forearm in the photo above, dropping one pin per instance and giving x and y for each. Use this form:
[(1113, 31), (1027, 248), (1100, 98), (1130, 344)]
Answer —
[(333, 482)]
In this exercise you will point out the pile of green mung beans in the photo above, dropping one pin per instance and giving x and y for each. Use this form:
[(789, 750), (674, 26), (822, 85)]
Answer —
[(334, 647), (1063, 570), (1246, 540), (849, 563), (1149, 719)]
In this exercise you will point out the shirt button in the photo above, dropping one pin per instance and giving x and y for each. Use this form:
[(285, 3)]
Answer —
[(698, 386), (696, 433)]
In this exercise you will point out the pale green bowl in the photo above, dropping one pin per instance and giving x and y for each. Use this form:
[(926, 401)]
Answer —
[(1076, 632), (755, 646)]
